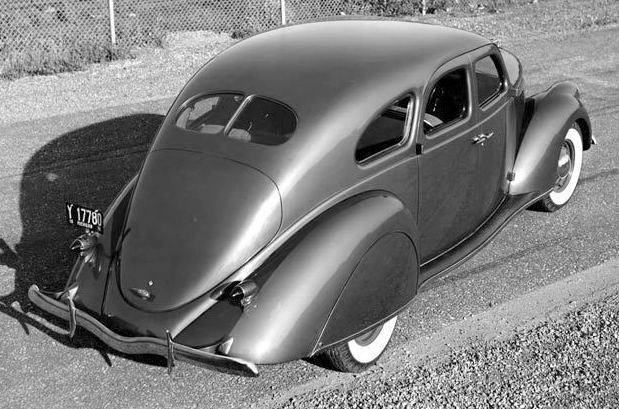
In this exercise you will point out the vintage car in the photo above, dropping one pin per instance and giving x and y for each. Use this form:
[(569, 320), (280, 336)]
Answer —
[(307, 182)]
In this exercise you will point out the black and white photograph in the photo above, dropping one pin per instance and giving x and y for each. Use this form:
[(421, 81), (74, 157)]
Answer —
[(309, 204)]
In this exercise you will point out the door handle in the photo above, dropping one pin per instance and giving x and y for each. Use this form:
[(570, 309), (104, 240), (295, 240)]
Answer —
[(481, 138)]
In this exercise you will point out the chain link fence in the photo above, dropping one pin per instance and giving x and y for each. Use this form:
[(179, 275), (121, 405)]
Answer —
[(43, 32)]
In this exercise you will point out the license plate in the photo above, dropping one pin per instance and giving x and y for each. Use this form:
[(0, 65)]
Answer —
[(82, 216)]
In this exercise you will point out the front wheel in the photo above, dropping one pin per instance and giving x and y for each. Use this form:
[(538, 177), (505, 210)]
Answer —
[(362, 352), (568, 171)]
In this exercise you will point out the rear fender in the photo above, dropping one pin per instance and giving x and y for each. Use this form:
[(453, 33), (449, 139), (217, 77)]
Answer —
[(301, 283), (547, 118)]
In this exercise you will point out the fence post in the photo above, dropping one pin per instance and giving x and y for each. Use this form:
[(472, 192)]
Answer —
[(110, 4), (282, 6)]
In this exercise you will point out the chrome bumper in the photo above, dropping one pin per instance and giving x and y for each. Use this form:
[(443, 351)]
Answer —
[(141, 345)]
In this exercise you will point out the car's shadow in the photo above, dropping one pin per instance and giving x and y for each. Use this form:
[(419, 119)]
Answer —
[(88, 166)]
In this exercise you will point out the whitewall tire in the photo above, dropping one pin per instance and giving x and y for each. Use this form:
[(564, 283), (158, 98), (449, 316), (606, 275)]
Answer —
[(568, 171), (362, 352)]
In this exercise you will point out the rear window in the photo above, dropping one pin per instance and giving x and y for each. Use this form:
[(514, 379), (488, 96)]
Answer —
[(260, 120), (209, 114), (264, 121)]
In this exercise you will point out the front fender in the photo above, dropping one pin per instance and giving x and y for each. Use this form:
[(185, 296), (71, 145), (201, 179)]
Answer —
[(301, 283), (547, 118)]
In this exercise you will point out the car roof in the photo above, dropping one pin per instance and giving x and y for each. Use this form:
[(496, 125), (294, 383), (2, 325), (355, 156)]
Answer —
[(303, 64), (336, 76)]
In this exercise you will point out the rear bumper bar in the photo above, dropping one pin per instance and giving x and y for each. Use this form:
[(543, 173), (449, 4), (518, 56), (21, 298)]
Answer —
[(141, 345)]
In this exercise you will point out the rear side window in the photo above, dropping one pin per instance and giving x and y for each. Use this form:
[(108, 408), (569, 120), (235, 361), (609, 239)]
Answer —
[(387, 130), (489, 82), (265, 122), (448, 101), (260, 120)]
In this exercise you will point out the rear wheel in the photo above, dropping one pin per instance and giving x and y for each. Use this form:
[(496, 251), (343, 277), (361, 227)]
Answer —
[(568, 171), (362, 352)]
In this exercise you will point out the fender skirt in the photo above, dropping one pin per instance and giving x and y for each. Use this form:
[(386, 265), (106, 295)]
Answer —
[(301, 286)]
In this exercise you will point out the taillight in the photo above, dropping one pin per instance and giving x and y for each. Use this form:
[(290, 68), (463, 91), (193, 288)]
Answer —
[(244, 292)]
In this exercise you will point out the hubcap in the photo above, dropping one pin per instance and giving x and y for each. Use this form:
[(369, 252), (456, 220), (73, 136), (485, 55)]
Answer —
[(565, 166), (368, 337)]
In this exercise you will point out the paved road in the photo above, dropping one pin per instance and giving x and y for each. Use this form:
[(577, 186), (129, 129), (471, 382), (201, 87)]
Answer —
[(88, 156)]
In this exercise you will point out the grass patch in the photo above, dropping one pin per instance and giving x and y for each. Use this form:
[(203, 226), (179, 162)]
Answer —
[(40, 37), (43, 38), (50, 56), (592, 21)]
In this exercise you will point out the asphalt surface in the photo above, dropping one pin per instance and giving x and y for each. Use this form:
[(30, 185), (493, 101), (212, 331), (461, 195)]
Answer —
[(87, 157)]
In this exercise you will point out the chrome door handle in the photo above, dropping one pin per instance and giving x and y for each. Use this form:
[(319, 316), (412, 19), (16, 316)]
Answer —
[(481, 138)]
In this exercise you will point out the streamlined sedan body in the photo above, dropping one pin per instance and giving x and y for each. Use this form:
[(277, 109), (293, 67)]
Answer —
[(304, 185)]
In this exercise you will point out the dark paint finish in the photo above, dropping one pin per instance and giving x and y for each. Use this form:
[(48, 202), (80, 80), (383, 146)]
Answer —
[(492, 159), (471, 245), (212, 327), (448, 177), (331, 247), (493, 163), (447, 193)]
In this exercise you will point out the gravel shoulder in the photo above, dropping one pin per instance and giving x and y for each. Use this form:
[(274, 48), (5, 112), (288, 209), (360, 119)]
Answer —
[(554, 347)]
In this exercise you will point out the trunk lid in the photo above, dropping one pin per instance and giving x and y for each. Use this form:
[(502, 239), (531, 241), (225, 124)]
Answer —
[(193, 220)]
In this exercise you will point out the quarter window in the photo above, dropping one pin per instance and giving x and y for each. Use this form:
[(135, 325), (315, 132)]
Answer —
[(489, 82), (448, 101), (386, 131)]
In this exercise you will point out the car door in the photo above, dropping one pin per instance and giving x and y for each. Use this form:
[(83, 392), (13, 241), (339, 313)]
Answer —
[(448, 159), (491, 103)]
